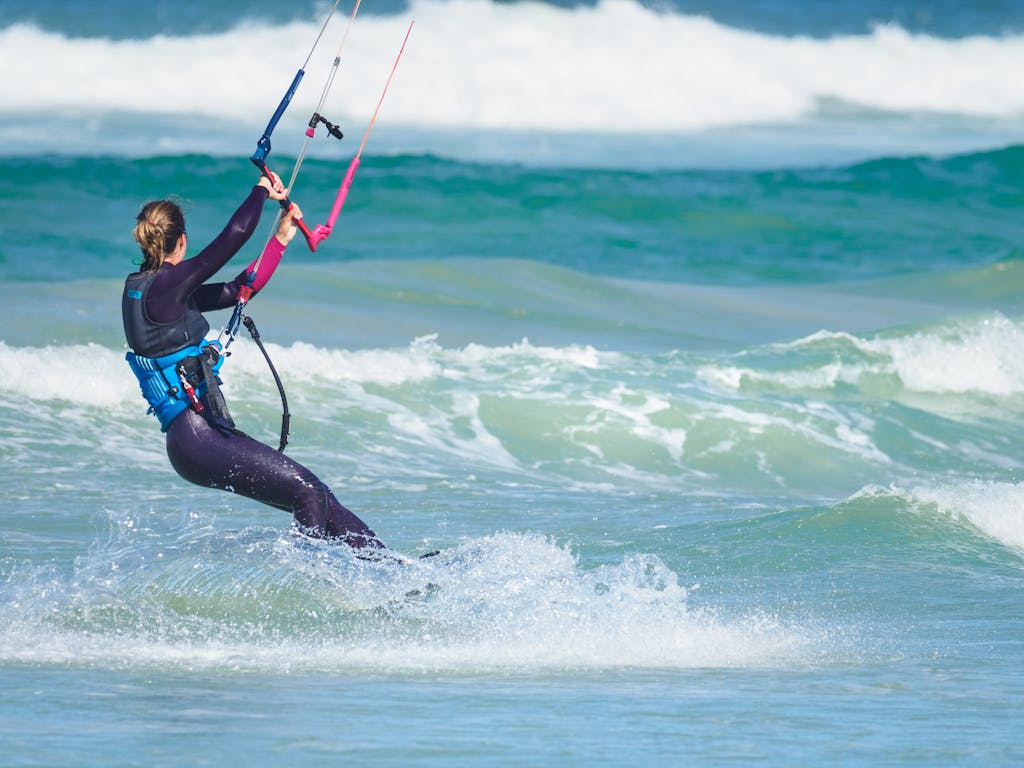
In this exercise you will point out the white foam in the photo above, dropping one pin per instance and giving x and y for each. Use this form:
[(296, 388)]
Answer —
[(981, 356), (78, 373), (616, 66), (996, 509), (632, 411), (96, 375), (824, 377), (421, 396), (984, 356)]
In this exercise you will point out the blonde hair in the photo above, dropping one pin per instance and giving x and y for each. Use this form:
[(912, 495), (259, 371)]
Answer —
[(158, 227)]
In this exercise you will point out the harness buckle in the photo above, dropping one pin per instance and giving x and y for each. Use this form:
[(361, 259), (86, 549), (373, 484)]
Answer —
[(190, 391)]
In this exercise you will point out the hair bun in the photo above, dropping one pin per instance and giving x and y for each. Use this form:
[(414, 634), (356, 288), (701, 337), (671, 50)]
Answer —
[(166, 225)]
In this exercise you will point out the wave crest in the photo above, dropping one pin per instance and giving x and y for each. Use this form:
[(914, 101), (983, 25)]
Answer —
[(616, 66)]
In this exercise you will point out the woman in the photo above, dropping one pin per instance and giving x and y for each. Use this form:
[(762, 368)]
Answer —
[(177, 368)]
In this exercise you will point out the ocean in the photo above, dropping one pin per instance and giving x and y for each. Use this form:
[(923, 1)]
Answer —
[(690, 333)]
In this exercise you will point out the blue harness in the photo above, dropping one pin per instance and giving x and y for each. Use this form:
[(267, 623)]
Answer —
[(165, 384)]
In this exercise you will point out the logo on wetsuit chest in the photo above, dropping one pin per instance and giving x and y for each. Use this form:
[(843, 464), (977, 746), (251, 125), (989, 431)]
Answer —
[(134, 294)]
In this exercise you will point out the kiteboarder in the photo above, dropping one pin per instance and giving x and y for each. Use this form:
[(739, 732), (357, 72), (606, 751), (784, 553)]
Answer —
[(178, 367)]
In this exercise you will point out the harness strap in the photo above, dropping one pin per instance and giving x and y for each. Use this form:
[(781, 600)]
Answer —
[(165, 384)]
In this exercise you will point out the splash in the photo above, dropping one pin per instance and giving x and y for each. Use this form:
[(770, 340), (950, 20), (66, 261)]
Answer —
[(509, 602)]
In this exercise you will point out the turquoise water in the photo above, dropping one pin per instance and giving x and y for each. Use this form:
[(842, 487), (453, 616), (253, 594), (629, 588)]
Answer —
[(716, 424)]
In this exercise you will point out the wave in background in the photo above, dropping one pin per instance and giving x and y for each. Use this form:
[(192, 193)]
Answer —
[(538, 241), (786, 420), (978, 356), (616, 68)]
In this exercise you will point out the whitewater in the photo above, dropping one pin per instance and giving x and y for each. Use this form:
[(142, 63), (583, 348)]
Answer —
[(485, 73)]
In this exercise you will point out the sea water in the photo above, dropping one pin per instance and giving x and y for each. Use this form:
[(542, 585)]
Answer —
[(691, 335)]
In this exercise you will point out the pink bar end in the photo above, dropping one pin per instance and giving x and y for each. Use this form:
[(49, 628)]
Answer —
[(319, 233)]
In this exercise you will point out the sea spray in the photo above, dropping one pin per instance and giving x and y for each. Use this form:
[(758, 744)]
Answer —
[(254, 601)]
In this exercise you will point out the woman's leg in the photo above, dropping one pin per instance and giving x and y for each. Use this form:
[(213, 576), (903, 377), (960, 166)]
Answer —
[(206, 456)]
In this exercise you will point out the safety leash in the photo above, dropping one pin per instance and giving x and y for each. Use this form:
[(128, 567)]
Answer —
[(285, 416)]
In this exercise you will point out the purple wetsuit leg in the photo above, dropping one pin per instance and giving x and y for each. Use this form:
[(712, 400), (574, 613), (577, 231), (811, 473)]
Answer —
[(204, 455)]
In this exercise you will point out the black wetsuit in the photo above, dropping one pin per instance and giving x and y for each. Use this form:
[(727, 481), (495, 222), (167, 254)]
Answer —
[(211, 456)]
